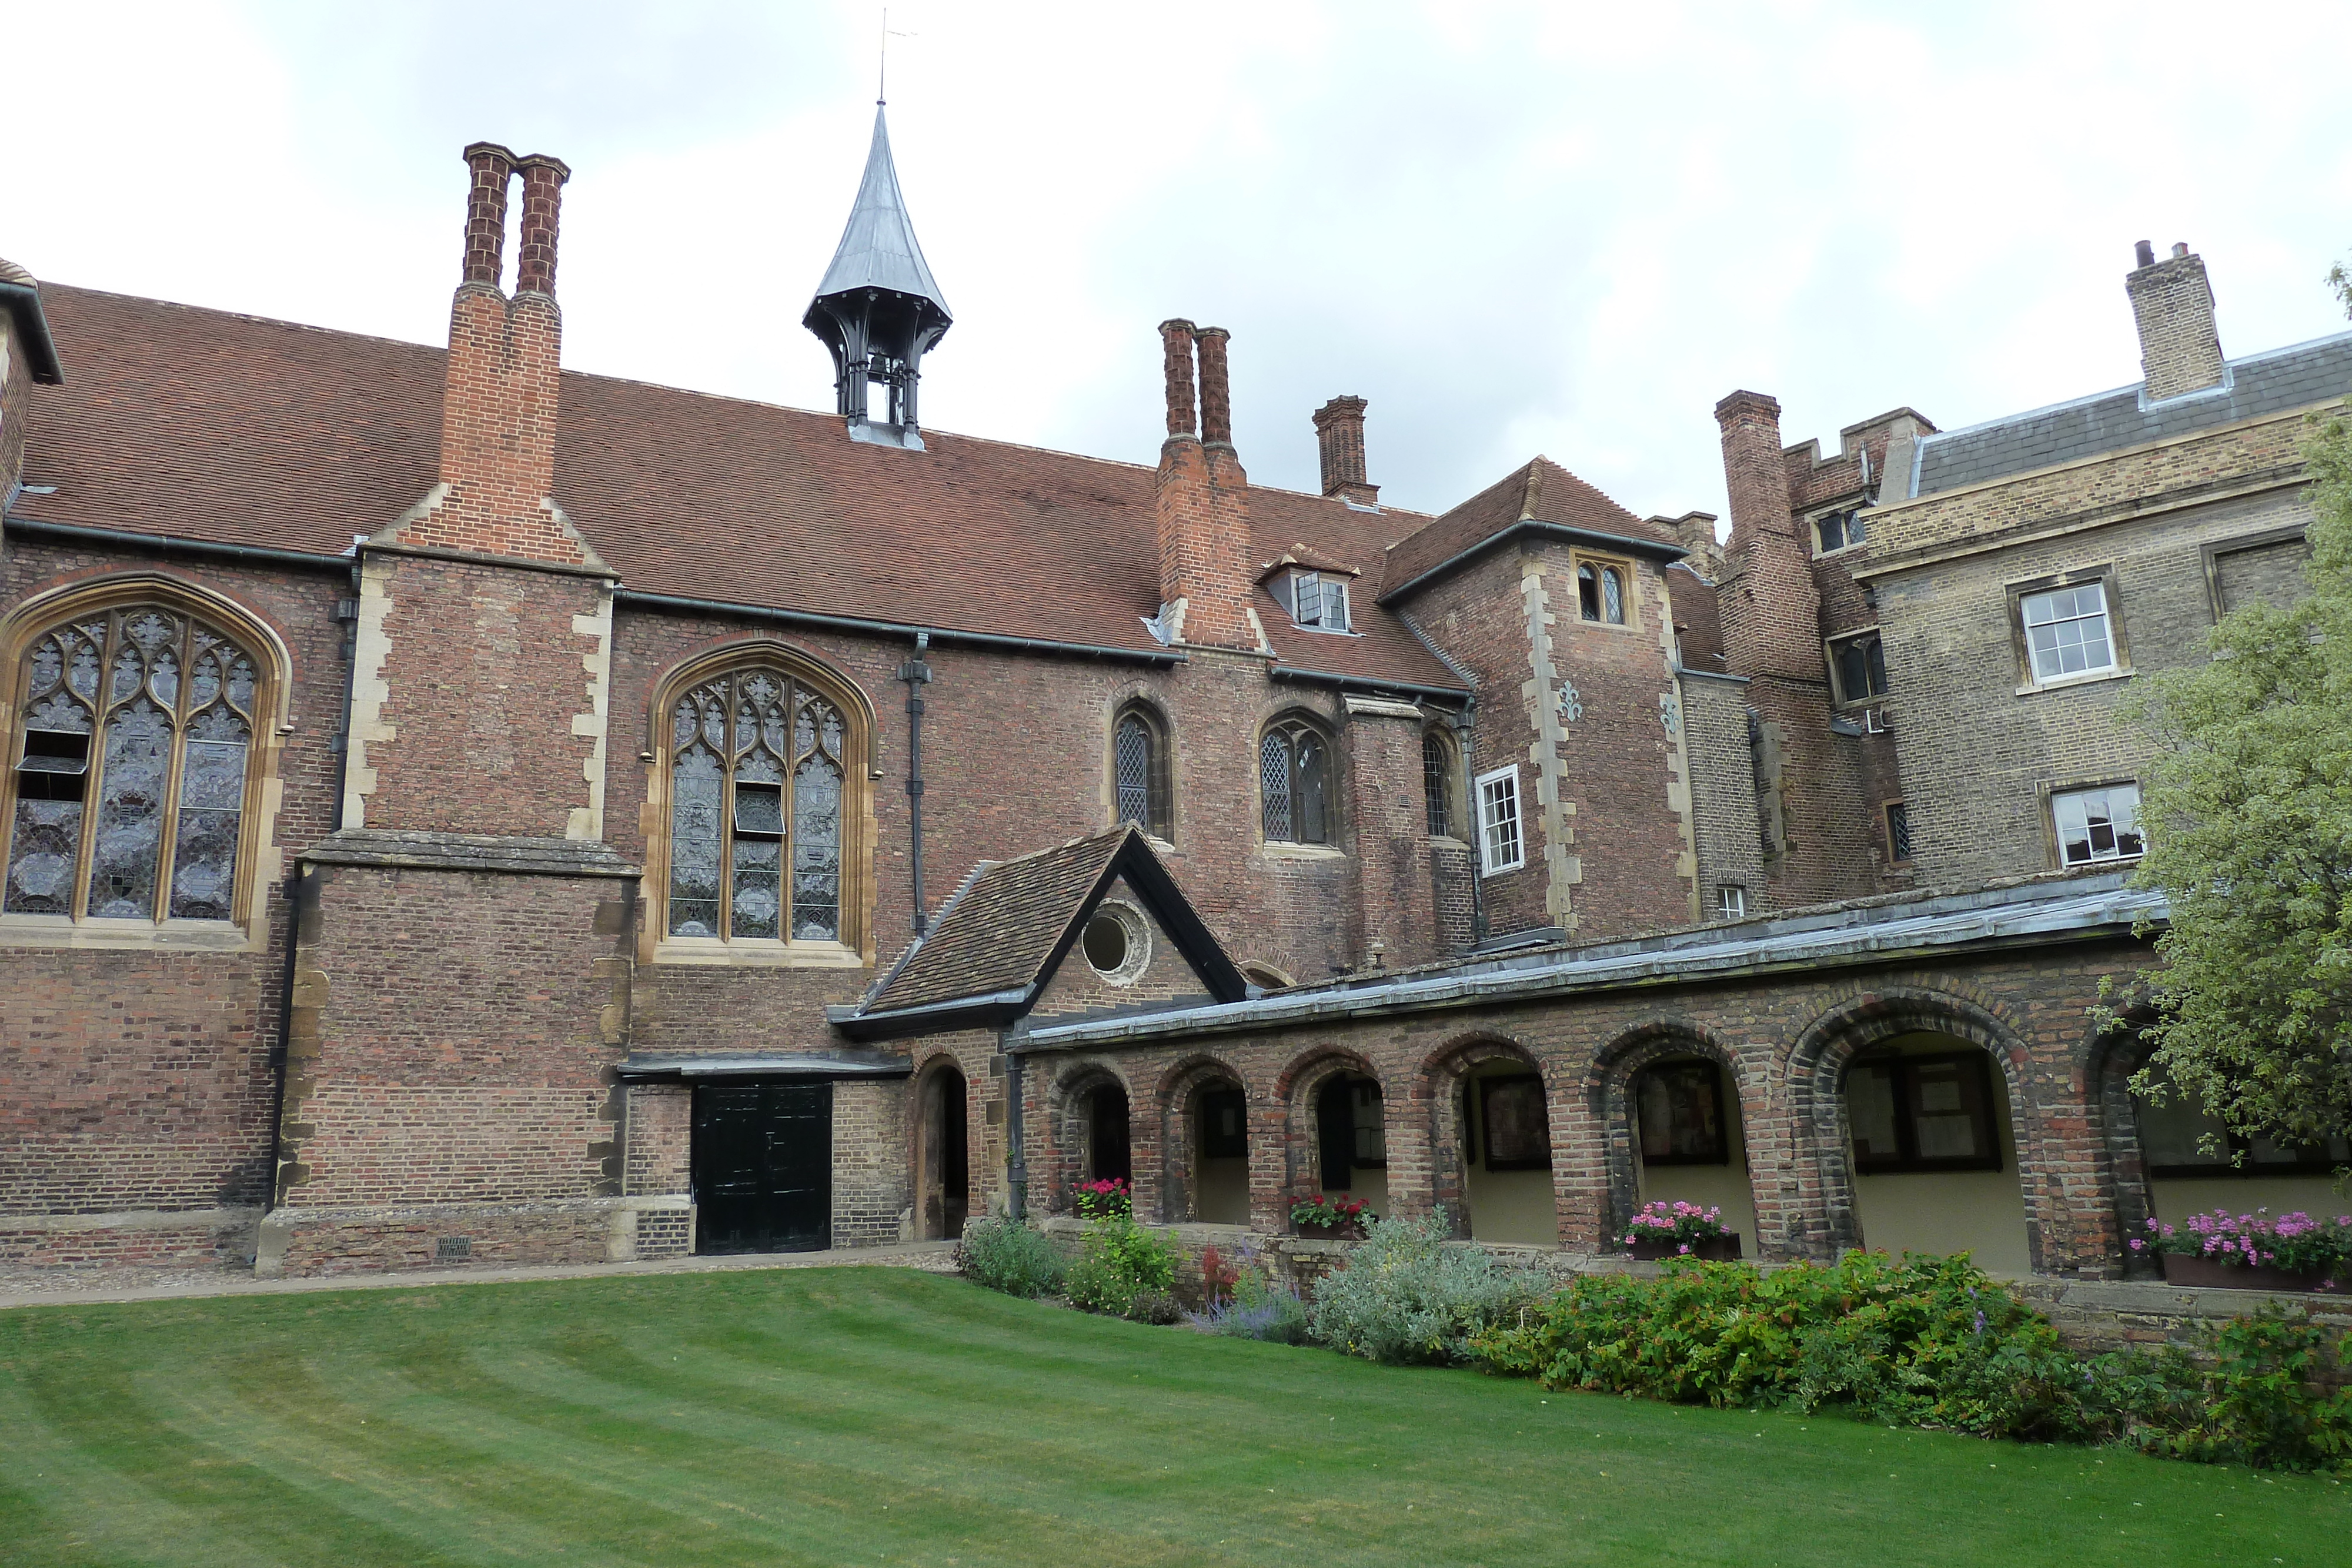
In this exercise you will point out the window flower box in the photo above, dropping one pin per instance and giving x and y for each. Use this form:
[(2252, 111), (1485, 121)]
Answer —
[(1324, 1217), (2223, 1252), (1680, 1230)]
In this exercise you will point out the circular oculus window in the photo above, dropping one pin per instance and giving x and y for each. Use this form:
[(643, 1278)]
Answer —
[(1117, 943)]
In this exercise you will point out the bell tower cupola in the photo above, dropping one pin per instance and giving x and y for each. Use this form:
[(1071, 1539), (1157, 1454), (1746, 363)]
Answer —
[(878, 310)]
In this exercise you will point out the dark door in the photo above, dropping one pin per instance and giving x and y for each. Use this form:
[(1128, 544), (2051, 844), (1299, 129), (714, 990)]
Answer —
[(763, 1168)]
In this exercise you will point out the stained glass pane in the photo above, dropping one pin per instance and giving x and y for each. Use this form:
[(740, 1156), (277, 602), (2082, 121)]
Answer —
[(127, 673), (203, 869), (759, 892), (82, 671), (203, 680), (1274, 785), (695, 785), (48, 664), (163, 678), (130, 813), (816, 852), (1309, 789), (42, 844)]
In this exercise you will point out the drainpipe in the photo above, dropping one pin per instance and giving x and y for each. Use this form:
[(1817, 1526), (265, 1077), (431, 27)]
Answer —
[(1465, 725), (916, 672), (1016, 1163), (281, 1058)]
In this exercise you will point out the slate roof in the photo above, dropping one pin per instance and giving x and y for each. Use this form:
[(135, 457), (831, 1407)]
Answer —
[(879, 249), (2269, 382), (1001, 933), (201, 424), (1543, 495)]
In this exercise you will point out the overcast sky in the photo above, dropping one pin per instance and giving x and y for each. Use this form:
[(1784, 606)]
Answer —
[(1514, 228)]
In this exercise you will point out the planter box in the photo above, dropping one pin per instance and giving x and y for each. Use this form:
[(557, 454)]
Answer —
[(2204, 1273), (1348, 1231), (1711, 1250)]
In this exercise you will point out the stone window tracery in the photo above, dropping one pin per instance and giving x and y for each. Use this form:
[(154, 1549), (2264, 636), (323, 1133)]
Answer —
[(127, 798), (757, 785), (1139, 770)]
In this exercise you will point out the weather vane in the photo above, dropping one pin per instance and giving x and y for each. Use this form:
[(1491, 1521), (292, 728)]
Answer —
[(882, 72)]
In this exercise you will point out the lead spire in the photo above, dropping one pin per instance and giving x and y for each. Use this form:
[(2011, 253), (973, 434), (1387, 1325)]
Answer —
[(878, 308)]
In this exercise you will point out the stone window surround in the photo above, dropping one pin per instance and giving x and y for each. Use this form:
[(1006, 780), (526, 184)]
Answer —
[(1813, 520), (261, 863), (855, 950), (2046, 795), (1626, 574), (1334, 828), (2118, 643), (1829, 654), (1164, 758), (2210, 556)]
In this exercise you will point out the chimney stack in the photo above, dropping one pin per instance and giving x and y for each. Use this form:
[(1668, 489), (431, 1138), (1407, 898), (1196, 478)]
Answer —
[(1339, 433), (498, 401), (2179, 347), (1200, 503), (1772, 625)]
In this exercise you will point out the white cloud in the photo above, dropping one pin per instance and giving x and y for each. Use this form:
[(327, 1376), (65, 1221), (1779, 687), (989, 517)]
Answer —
[(1514, 228)]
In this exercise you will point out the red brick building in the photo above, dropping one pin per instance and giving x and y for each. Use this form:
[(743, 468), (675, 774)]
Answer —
[(460, 810)]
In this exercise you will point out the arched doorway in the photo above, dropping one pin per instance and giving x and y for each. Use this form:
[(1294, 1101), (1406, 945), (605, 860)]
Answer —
[(1690, 1142), (1351, 1150), (942, 1156), (1107, 1152), (1506, 1132), (1935, 1151), (1216, 1121)]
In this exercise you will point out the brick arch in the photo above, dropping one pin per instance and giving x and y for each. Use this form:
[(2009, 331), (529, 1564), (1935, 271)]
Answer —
[(1815, 1077), (2109, 1054), (1439, 1082), (1608, 1093), (1292, 1116), (1063, 1162), (1170, 1101)]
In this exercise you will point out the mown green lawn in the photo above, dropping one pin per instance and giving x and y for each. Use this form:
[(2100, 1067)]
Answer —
[(877, 1415)]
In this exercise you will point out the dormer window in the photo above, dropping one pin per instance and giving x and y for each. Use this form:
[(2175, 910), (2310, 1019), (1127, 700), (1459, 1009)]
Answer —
[(1319, 601)]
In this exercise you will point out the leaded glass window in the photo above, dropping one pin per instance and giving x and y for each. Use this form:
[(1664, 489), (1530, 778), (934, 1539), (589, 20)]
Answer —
[(128, 794), (1140, 771), (1294, 785), (1437, 784), (756, 774)]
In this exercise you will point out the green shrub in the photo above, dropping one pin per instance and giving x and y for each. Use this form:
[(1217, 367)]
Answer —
[(1932, 1341), (1245, 1303), (1123, 1270), (1406, 1296), (2251, 1396), (1005, 1255)]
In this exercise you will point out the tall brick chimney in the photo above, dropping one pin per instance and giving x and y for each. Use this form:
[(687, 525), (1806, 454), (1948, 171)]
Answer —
[(1201, 504), (1340, 432), (498, 401), (1772, 619), (2180, 348)]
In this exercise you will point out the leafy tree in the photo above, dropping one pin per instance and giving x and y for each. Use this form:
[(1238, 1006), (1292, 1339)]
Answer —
[(2249, 813)]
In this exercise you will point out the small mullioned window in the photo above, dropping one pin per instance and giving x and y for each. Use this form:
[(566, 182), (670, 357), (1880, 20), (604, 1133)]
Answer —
[(1318, 601)]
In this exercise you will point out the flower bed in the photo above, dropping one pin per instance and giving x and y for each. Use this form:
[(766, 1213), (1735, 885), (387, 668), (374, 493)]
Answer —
[(2253, 1252), (1680, 1230)]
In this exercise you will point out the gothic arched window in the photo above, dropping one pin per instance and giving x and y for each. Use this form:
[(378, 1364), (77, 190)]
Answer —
[(1601, 593), (1438, 777), (1138, 757), (128, 796), (757, 775), (1294, 767)]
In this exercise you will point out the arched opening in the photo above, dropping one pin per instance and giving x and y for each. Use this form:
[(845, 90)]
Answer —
[(1935, 1151), (942, 1156), (1217, 1124), (1351, 1150), (2195, 1165), (1690, 1142), (1107, 1156), (1296, 799), (1139, 770), (1506, 1140)]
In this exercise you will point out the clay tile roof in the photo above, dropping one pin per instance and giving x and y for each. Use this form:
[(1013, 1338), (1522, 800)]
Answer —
[(997, 932), (1310, 560), (1542, 495), (201, 424)]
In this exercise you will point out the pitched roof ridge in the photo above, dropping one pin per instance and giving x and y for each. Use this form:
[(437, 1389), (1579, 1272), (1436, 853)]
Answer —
[(1531, 496), (48, 284)]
